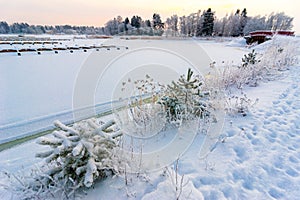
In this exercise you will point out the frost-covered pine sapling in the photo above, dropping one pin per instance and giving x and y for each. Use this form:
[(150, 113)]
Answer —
[(250, 59), (185, 99), (249, 70), (173, 107), (79, 154)]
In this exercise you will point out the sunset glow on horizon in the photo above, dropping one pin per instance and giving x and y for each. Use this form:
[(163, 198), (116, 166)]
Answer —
[(97, 13)]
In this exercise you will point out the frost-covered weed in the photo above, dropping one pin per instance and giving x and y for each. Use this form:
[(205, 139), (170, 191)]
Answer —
[(239, 104)]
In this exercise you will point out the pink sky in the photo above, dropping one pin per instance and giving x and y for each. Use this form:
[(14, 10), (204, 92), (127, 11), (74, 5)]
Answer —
[(96, 12)]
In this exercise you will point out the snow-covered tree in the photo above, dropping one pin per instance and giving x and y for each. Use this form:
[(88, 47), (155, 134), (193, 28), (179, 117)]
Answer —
[(275, 21), (157, 23), (192, 24), (243, 21), (254, 24), (172, 24), (208, 23), (4, 28), (183, 25), (199, 23), (111, 27), (279, 21), (236, 18), (231, 25), (126, 22), (219, 26), (136, 21), (148, 23)]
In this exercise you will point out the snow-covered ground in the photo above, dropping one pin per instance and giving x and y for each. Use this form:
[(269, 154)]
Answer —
[(258, 158)]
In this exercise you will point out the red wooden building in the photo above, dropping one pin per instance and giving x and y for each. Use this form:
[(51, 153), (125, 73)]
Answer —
[(264, 35)]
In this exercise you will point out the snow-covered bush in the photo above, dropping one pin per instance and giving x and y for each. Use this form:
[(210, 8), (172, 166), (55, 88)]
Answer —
[(279, 53), (265, 62), (231, 78), (79, 153), (225, 77), (77, 156)]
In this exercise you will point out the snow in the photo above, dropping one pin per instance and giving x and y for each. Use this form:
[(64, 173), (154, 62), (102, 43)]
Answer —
[(237, 42), (220, 52), (44, 83), (258, 157), (35, 81), (277, 41)]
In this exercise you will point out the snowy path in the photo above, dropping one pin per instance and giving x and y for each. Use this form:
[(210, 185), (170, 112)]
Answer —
[(260, 157)]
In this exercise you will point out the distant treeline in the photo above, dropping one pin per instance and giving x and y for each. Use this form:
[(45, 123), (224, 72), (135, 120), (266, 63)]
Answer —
[(201, 23), (24, 28)]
